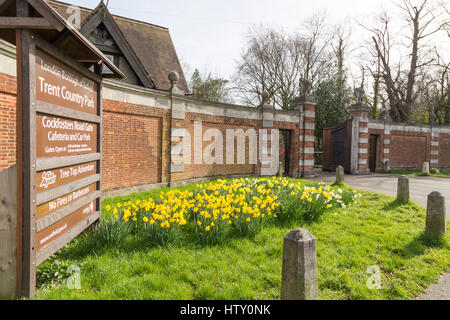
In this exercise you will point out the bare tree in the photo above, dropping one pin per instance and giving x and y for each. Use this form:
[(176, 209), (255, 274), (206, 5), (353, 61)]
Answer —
[(274, 61), (315, 40), (399, 78), (433, 103), (341, 48), (258, 63)]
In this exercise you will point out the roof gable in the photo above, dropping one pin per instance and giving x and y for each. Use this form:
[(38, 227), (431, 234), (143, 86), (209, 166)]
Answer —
[(156, 50), (151, 44), (48, 24), (100, 16)]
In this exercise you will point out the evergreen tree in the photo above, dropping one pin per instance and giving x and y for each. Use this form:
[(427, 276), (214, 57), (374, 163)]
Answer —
[(333, 99), (209, 88)]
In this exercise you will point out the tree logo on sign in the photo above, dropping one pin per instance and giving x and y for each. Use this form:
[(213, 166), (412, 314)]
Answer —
[(48, 178)]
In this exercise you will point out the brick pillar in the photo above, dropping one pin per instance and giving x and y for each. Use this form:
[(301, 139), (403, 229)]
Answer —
[(177, 132), (386, 147), (306, 106), (359, 113), (435, 147)]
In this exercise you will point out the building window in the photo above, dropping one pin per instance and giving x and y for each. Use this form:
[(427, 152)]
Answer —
[(111, 58)]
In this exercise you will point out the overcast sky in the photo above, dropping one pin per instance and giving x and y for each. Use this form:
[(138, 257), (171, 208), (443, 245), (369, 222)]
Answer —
[(210, 34)]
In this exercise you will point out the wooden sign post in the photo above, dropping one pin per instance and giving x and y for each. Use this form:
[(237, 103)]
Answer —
[(61, 151), (59, 123)]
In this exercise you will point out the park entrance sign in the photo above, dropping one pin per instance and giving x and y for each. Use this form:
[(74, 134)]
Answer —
[(59, 120), (67, 198)]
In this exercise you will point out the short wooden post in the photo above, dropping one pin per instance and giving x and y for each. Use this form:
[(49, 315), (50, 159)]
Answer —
[(8, 233), (436, 223), (403, 190), (299, 271)]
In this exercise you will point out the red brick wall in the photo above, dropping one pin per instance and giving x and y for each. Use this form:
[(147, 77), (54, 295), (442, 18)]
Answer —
[(213, 122), (132, 145), (192, 170), (444, 149), (131, 149), (408, 150), (7, 121)]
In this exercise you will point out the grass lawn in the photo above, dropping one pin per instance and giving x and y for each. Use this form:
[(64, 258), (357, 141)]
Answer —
[(375, 230), (443, 174)]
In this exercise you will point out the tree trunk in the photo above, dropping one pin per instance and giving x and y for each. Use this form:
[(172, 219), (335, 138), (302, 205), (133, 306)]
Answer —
[(405, 114), (447, 110)]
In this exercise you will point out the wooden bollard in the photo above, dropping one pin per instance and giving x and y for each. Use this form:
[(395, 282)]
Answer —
[(436, 223), (299, 271)]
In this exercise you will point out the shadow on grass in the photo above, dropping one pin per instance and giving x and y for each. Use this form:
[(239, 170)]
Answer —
[(86, 245), (420, 245), (393, 205), (339, 185)]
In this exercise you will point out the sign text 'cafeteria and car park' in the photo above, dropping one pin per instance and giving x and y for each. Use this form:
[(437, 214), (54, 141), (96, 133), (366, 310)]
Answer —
[(57, 137)]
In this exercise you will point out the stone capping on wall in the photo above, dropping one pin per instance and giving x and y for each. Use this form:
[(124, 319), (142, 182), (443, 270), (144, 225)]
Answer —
[(8, 54), (7, 49), (195, 105), (399, 126)]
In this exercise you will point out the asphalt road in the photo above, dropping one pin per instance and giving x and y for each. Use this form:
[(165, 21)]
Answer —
[(419, 187)]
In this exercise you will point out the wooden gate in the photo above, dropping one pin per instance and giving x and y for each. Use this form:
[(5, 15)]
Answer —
[(285, 151), (373, 142), (337, 147)]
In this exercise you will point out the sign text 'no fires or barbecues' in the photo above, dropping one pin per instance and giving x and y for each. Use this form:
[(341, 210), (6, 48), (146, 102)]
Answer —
[(56, 204)]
